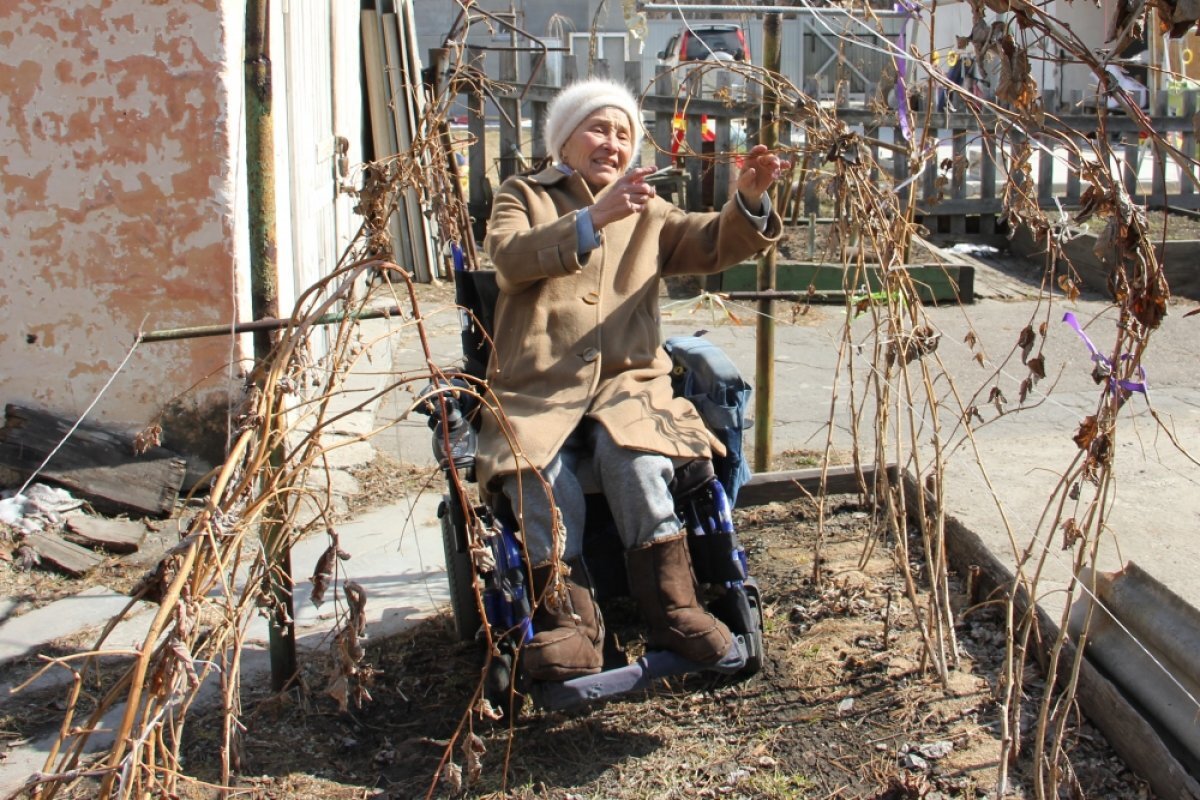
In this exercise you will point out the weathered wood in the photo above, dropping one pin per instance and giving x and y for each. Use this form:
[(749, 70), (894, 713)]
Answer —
[(934, 282), (113, 535), (958, 178), (783, 487), (510, 115), (69, 558), (95, 464), (1133, 738)]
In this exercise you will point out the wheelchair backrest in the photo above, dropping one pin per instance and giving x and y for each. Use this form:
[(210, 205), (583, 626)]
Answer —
[(476, 291), (705, 375)]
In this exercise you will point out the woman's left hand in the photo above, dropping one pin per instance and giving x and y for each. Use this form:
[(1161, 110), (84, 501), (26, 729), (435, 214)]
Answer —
[(760, 168)]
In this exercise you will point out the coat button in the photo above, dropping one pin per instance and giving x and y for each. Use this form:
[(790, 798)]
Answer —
[(590, 355), (591, 298)]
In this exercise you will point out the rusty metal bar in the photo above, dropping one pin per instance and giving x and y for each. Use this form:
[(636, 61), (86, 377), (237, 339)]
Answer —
[(268, 324)]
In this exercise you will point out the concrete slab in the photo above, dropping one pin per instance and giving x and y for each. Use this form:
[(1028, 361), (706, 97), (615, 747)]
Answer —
[(91, 608), (395, 555)]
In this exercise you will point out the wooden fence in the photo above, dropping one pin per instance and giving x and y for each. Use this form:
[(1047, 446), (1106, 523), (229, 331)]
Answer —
[(968, 199)]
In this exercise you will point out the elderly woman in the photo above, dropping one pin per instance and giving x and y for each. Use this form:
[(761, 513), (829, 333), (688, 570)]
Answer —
[(579, 371)]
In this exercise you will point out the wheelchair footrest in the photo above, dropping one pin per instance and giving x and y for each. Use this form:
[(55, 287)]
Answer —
[(639, 675)]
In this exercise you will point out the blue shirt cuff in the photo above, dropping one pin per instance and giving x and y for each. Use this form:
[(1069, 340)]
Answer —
[(585, 231)]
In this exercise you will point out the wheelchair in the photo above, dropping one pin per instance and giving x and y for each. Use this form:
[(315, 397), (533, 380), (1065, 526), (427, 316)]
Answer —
[(490, 586)]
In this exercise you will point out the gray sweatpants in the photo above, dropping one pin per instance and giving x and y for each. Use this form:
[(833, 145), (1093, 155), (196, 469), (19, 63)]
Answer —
[(635, 483)]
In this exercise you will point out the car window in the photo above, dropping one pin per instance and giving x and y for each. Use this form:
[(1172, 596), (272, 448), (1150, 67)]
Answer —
[(717, 41)]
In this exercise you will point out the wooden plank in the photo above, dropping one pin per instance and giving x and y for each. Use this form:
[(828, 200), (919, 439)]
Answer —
[(381, 119), (783, 487), (935, 282), (413, 67), (1132, 737), (383, 123), (112, 535), (1187, 175), (95, 464), (69, 558), (410, 252)]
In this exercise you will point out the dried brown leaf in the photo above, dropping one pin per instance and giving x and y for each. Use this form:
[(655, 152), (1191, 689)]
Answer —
[(1069, 288), (1086, 433), (1025, 341), (322, 575), (472, 751), (146, 439), (1071, 533), (1037, 366), (997, 398)]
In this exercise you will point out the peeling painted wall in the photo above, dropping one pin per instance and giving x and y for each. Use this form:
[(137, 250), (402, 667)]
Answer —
[(118, 201)]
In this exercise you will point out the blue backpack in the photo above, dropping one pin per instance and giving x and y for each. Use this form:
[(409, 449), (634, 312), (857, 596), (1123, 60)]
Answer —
[(704, 374)]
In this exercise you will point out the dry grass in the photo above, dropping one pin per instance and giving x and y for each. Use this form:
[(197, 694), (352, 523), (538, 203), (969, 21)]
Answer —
[(841, 709)]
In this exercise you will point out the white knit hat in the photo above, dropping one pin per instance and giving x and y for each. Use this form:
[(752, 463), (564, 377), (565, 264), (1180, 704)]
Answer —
[(576, 102)]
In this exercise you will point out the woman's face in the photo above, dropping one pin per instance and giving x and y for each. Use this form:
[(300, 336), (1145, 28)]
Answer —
[(600, 148)]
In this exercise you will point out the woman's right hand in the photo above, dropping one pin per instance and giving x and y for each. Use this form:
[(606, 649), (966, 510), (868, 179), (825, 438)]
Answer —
[(627, 196)]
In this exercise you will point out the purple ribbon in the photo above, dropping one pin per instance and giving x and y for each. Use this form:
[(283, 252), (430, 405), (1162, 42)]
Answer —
[(1099, 358), (911, 9)]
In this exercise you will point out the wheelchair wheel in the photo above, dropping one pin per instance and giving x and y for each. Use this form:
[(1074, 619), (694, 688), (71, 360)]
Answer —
[(461, 576)]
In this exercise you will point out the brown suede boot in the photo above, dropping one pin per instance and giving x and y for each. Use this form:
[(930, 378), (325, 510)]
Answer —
[(568, 628), (662, 583)]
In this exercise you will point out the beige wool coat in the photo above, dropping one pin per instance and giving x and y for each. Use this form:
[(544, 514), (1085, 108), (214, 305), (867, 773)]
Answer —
[(575, 338)]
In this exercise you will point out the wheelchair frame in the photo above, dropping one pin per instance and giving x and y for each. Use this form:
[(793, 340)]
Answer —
[(500, 587)]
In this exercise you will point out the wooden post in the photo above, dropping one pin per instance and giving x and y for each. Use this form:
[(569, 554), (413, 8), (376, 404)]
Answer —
[(764, 372), (958, 178), (1187, 175), (663, 132), (510, 114), (1072, 197), (695, 164), (987, 181), (899, 165), (722, 188), (538, 146), (1158, 174)]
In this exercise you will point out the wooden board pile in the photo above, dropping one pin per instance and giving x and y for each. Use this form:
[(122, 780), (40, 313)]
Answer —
[(90, 465)]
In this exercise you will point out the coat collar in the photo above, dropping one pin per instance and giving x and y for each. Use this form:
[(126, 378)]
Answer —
[(571, 182)]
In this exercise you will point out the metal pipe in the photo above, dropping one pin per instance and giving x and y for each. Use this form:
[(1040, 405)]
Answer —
[(726, 8), (260, 175), (268, 324)]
